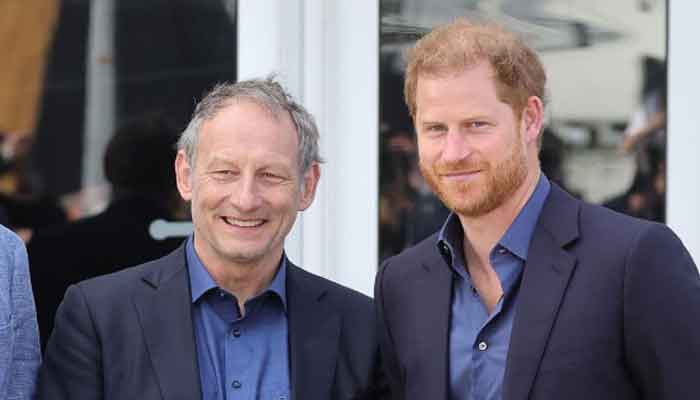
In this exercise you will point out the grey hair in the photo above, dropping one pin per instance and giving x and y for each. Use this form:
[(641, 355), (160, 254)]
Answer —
[(267, 93)]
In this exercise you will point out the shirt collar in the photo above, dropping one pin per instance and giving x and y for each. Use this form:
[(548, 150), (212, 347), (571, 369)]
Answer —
[(450, 240), (201, 281), (517, 237)]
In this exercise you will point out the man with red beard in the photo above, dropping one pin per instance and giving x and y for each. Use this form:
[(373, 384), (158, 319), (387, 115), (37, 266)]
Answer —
[(525, 292)]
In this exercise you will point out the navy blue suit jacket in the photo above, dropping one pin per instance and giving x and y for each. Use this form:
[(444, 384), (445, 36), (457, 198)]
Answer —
[(609, 308), (129, 335)]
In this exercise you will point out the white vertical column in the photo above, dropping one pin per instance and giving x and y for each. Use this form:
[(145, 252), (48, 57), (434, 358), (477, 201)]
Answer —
[(683, 188), (313, 91), (351, 114), (270, 42), (100, 91), (327, 54)]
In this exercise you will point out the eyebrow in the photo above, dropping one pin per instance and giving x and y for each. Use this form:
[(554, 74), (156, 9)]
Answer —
[(476, 117), (426, 123), (218, 160), (268, 165)]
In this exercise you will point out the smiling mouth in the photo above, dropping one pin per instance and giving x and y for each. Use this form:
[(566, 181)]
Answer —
[(459, 174), (243, 223)]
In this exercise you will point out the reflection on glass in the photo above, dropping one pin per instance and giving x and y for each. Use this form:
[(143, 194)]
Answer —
[(90, 201), (80, 70), (605, 137)]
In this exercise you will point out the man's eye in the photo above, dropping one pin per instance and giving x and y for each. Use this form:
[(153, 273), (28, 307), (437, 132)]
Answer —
[(435, 128), (271, 177), (223, 174), (476, 124)]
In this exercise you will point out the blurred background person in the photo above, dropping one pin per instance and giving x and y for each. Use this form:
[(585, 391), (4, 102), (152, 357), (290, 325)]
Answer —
[(138, 163), (19, 336), (24, 206), (408, 210), (645, 138)]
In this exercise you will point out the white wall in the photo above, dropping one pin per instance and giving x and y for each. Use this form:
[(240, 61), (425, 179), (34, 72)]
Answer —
[(683, 195)]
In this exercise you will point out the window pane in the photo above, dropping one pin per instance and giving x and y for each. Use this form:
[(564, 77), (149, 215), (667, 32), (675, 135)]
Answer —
[(80, 69), (605, 137), (93, 98)]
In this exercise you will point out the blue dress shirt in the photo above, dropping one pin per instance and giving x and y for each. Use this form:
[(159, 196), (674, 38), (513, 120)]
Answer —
[(239, 357), (478, 342)]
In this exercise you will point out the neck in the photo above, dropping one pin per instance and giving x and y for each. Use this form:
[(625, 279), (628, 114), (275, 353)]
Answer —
[(483, 232), (244, 280)]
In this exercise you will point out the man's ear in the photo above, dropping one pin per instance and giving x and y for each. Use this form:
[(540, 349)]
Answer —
[(308, 190), (532, 119), (183, 175)]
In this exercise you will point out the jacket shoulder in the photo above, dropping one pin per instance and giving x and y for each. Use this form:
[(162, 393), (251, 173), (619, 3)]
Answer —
[(613, 229), (341, 297), (115, 285), (568, 219), (409, 260)]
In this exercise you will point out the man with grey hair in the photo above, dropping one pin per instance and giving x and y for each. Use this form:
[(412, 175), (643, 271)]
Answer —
[(227, 315)]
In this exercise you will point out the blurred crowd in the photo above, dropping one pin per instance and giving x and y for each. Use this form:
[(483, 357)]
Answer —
[(65, 244)]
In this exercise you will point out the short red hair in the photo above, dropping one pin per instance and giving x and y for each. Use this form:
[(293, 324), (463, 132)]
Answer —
[(453, 47)]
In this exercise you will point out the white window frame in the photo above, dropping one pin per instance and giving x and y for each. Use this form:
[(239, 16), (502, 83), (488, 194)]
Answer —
[(326, 52), (683, 165)]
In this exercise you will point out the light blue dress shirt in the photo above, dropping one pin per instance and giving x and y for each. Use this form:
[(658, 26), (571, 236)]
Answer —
[(245, 357), (478, 341), (20, 355)]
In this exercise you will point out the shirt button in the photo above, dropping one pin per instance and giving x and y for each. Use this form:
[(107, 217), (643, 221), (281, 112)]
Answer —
[(236, 385), (236, 332), (483, 346), (502, 250)]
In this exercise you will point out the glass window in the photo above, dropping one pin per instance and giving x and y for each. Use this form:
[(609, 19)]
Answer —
[(94, 96), (79, 70), (605, 136)]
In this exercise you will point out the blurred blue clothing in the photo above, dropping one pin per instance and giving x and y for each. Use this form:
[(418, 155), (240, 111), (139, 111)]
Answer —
[(19, 334)]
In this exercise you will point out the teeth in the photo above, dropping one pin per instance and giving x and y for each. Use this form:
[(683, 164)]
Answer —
[(250, 223)]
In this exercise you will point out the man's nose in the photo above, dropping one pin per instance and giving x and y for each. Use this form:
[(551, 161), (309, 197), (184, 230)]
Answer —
[(246, 194), (457, 146)]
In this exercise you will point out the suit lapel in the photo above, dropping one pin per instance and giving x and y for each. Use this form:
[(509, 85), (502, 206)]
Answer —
[(434, 309), (545, 278), (314, 330), (164, 308)]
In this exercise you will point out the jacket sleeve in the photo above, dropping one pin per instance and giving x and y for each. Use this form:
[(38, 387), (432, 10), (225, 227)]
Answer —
[(390, 362), (72, 366), (662, 316), (26, 355)]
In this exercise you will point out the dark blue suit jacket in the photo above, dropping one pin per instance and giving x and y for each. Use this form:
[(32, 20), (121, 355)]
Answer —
[(129, 335), (609, 308)]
